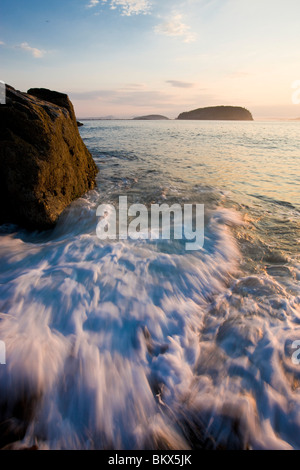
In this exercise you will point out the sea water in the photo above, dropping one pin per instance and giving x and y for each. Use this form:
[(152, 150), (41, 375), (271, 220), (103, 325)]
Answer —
[(141, 344)]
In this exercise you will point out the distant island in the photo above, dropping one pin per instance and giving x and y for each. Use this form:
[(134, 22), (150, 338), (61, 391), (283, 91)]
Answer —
[(218, 113), (151, 117)]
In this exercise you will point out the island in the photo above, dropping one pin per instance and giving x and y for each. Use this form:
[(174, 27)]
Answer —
[(151, 117), (218, 113)]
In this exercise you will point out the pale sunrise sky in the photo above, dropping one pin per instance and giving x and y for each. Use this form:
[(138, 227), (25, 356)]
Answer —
[(126, 58)]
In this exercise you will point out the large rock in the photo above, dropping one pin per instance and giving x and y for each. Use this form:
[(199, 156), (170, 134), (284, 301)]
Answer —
[(218, 113), (44, 164)]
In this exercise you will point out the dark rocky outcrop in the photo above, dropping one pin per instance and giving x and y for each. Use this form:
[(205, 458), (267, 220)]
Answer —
[(218, 113), (151, 117), (54, 97), (44, 164)]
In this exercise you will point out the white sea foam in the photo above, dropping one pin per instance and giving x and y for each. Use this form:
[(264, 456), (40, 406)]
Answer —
[(140, 344), (125, 345)]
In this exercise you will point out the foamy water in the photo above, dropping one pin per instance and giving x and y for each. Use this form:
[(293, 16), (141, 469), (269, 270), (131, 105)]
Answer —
[(141, 344)]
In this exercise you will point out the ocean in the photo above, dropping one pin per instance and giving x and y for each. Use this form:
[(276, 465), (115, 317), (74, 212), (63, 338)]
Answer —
[(141, 344)]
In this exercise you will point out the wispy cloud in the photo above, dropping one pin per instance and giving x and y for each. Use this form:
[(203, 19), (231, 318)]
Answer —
[(92, 3), (37, 53), (2, 43), (176, 28), (179, 84), (139, 98), (239, 74), (130, 7)]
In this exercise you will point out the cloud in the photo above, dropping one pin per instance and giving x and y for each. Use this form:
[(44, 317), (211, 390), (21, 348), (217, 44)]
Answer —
[(92, 95), (130, 7), (128, 102), (239, 74), (125, 97), (176, 28), (92, 3), (37, 53), (2, 43), (179, 84)]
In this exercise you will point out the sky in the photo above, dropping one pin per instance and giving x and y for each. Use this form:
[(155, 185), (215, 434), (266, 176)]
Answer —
[(127, 58)]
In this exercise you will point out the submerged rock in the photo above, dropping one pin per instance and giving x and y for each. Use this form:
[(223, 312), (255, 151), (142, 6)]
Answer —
[(44, 164)]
